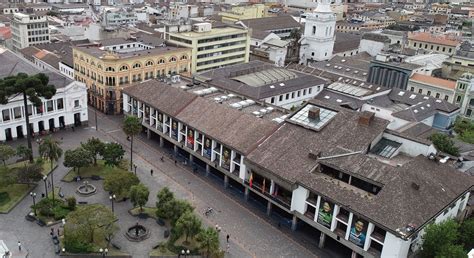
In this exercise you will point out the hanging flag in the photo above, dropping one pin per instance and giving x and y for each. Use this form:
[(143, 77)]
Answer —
[(263, 186), (251, 180), (275, 192)]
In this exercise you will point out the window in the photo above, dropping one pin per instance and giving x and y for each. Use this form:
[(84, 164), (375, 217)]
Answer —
[(412, 89), (30, 110), (420, 91), (287, 96), (49, 106), (468, 112), (444, 49), (6, 114), (272, 100), (414, 44), (428, 93), (137, 65), (446, 97), (184, 57), (437, 95), (314, 30), (458, 99), (60, 103), (173, 59), (298, 94), (76, 103), (292, 95), (149, 63), (309, 90), (281, 98), (17, 112), (123, 68), (162, 61)]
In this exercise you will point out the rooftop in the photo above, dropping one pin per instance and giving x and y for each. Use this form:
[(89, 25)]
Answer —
[(215, 31), (433, 81), (272, 23), (346, 41), (435, 39)]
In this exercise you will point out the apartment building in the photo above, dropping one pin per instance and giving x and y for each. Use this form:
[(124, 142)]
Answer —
[(68, 107), (29, 29), (432, 86), (244, 12), (352, 194), (111, 65), (436, 43), (213, 47)]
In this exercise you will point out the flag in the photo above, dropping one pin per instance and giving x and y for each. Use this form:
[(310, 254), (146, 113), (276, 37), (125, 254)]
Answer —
[(263, 186), (275, 191), (251, 180)]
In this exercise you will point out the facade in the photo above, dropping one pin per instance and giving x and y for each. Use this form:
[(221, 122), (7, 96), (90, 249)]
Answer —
[(319, 34), (119, 18), (391, 72), (440, 44), (244, 12), (351, 195), (29, 30), (282, 26), (115, 64), (65, 109), (465, 93), (213, 47), (432, 86)]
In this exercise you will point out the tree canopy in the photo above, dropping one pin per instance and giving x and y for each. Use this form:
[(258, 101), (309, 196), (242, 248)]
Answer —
[(6, 152), (95, 146), (112, 154), (208, 240), (120, 182), (188, 224), (139, 195), (163, 205), (132, 125), (445, 144), (50, 149), (77, 158)]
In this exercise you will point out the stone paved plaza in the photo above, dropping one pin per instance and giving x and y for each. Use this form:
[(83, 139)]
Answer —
[(252, 234)]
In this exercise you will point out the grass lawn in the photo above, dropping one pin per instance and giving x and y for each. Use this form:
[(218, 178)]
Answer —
[(16, 192), (148, 210), (99, 170), (162, 251), (46, 166)]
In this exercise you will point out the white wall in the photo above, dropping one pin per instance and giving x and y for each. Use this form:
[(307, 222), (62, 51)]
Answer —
[(410, 147), (298, 199), (373, 48), (395, 247), (294, 101)]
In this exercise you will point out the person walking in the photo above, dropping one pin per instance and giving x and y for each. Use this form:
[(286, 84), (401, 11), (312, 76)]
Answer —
[(228, 236), (175, 162), (19, 246), (151, 172)]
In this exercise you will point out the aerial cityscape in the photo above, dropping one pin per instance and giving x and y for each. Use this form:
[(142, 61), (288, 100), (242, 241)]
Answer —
[(229, 128)]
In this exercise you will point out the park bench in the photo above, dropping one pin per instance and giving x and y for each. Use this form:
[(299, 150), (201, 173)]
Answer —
[(40, 222), (82, 202), (160, 221), (30, 217)]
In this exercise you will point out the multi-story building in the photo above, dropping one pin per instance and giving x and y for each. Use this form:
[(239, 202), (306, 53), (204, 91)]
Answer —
[(432, 86), (391, 72), (334, 172), (29, 29), (282, 25), (119, 17), (68, 107), (114, 64), (436, 43), (465, 89), (213, 47), (244, 12)]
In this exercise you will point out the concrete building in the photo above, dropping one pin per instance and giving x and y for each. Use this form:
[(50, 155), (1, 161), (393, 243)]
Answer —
[(213, 47), (67, 108), (435, 43), (465, 89), (432, 86), (114, 64), (390, 71), (282, 26), (119, 18), (374, 43), (29, 29), (317, 43), (353, 194), (263, 82), (244, 12), (460, 63)]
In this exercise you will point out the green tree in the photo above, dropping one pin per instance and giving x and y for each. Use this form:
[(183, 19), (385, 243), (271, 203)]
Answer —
[(163, 205), (139, 195), (188, 224), (31, 88), (467, 234), (113, 154), (23, 152), (86, 225), (451, 251), (95, 146), (132, 126), (445, 144), (178, 207), (77, 159), (51, 150), (208, 240), (438, 237), (30, 173), (6, 152), (120, 182)]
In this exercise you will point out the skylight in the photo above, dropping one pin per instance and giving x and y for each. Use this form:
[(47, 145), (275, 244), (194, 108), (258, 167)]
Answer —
[(302, 117), (412, 96)]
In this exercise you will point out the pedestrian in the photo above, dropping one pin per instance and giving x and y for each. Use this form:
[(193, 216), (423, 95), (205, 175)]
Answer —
[(175, 162), (58, 232), (19, 246), (151, 172), (72, 127), (228, 236), (162, 159), (52, 232), (49, 184)]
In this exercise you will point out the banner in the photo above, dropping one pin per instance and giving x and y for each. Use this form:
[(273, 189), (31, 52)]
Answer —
[(226, 158), (174, 130), (358, 231), (190, 139), (325, 213), (160, 122), (207, 147)]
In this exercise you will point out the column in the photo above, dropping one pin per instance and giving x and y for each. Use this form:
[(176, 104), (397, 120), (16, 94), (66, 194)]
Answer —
[(148, 133), (322, 240), (246, 194), (226, 181), (293, 222), (191, 158), (208, 169), (334, 214), (161, 141), (175, 148), (349, 223), (269, 208)]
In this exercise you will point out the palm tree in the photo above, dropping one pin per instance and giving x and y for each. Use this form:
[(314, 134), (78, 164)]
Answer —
[(208, 240), (132, 126), (50, 149), (31, 88)]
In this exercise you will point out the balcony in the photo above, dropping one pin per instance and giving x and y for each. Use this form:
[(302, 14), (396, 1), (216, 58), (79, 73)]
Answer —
[(378, 237), (342, 217)]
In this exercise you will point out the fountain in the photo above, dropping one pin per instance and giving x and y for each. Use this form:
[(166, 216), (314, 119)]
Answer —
[(86, 189), (137, 233)]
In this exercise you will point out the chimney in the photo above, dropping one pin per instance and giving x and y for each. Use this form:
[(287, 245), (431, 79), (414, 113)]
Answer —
[(313, 113), (313, 155), (366, 118)]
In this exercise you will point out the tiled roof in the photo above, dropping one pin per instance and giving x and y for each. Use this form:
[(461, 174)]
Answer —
[(345, 42), (433, 81), (272, 23), (430, 38)]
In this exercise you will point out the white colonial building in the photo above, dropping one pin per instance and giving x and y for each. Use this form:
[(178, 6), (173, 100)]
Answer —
[(318, 40), (67, 108)]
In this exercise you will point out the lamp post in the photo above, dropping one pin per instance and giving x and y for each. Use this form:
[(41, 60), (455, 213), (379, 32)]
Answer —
[(33, 195), (93, 90), (45, 178), (103, 251), (135, 167), (112, 198), (63, 250), (185, 253), (63, 221)]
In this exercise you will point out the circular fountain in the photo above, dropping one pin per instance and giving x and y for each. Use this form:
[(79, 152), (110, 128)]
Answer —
[(137, 233), (86, 189)]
